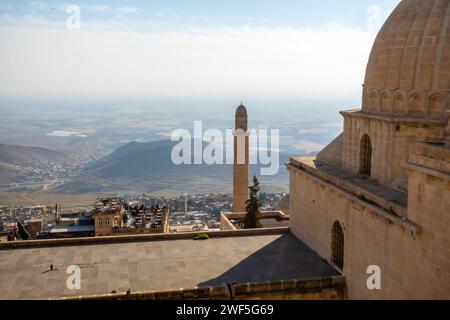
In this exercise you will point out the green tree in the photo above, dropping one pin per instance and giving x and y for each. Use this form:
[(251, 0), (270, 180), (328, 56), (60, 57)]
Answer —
[(253, 215)]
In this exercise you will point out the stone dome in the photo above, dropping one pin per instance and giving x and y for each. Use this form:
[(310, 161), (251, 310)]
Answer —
[(408, 73)]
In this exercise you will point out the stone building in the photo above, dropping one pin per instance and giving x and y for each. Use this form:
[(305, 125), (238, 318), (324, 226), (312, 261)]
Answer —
[(374, 204), (108, 216), (33, 226), (379, 195)]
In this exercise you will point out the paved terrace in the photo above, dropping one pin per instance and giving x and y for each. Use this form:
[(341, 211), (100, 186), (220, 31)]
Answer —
[(157, 265)]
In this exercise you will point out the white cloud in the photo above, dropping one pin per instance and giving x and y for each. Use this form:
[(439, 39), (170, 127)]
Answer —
[(37, 5), (127, 10), (98, 8), (212, 61), (27, 21), (261, 149), (105, 8), (168, 14), (313, 130), (309, 146), (167, 134)]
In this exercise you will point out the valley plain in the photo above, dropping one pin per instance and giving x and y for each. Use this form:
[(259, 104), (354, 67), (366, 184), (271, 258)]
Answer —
[(50, 154)]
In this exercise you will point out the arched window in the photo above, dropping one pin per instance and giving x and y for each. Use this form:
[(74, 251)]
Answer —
[(399, 103), (436, 104), (337, 245), (416, 104), (365, 156), (385, 103), (373, 102)]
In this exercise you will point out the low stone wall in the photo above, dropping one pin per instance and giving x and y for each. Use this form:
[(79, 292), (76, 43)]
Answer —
[(134, 238), (350, 192), (332, 288), (226, 224), (124, 231)]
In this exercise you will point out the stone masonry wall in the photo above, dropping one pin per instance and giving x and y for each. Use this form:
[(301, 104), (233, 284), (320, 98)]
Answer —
[(390, 146), (413, 266)]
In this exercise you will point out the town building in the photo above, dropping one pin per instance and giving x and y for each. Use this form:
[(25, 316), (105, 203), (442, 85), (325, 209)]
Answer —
[(108, 216), (72, 224), (148, 219), (34, 226)]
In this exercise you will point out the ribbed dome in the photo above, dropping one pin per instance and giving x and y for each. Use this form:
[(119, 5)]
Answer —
[(409, 67)]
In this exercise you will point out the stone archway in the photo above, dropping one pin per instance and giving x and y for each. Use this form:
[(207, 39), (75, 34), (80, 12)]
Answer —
[(365, 156), (337, 245)]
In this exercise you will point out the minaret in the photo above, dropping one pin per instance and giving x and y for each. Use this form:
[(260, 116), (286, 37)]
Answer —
[(447, 131), (241, 157)]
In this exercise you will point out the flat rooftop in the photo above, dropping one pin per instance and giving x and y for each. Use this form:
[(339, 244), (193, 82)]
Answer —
[(158, 265), (387, 202), (329, 171)]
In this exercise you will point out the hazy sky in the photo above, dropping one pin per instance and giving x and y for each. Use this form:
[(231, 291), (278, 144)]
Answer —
[(200, 49)]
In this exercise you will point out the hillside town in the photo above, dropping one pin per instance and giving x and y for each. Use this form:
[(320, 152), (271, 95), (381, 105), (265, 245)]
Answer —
[(123, 215)]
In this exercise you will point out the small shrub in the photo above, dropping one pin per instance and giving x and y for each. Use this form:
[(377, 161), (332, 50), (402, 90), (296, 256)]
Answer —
[(201, 236)]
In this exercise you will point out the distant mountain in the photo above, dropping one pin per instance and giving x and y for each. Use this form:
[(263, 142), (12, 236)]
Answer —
[(134, 160), (10, 154), (147, 167)]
